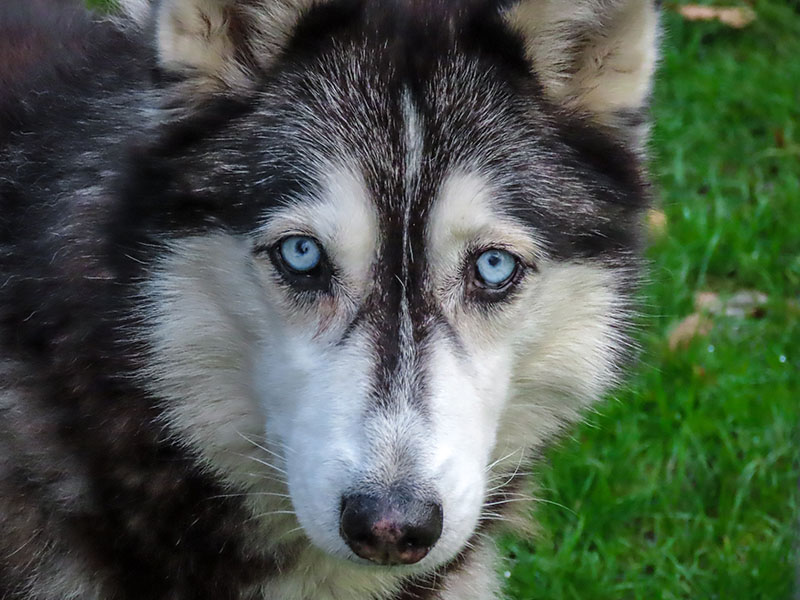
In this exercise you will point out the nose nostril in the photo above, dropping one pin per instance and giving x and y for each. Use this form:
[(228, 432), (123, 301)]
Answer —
[(389, 530)]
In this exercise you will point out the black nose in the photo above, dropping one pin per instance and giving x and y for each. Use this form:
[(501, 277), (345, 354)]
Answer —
[(390, 530)]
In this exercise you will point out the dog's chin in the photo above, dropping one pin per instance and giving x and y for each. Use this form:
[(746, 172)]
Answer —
[(402, 570), (423, 567)]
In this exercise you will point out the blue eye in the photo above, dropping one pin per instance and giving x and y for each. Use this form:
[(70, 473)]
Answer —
[(300, 253), (496, 268)]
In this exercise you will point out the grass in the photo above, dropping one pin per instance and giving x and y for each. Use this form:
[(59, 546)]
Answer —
[(686, 484)]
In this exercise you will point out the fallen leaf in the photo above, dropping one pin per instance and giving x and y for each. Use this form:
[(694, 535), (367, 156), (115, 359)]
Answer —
[(744, 303), (780, 138), (708, 302), (656, 223), (693, 326), (733, 16)]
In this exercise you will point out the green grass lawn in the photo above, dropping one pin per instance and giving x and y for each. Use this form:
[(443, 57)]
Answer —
[(685, 485)]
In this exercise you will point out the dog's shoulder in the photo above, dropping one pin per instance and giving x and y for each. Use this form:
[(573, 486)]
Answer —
[(37, 39), (52, 51)]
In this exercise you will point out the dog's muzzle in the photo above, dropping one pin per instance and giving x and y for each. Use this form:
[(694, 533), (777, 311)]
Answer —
[(388, 529)]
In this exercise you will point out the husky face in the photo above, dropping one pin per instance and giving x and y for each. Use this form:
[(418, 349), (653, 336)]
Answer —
[(388, 270)]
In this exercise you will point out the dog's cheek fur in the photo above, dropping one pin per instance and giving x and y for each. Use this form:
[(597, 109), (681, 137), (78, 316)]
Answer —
[(315, 401), (477, 578), (568, 352), (467, 393), (201, 303), (208, 316)]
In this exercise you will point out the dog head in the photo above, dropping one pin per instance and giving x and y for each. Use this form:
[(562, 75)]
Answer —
[(389, 248)]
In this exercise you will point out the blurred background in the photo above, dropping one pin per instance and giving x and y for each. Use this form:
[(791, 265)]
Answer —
[(685, 484)]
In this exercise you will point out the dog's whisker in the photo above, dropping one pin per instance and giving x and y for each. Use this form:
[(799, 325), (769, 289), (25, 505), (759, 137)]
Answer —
[(508, 501), (261, 462), (286, 534), (504, 458), (495, 518), (249, 494), (554, 503), (265, 477), (511, 477), (260, 447), (272, 513)]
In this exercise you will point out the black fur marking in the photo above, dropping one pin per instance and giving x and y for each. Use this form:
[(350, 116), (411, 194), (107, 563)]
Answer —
[(322, 21)]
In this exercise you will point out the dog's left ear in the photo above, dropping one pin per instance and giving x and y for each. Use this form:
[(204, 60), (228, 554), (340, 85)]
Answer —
[(216, 45), (594, 57)]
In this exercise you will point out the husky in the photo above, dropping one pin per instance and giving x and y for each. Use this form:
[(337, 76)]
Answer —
[(294, 292)]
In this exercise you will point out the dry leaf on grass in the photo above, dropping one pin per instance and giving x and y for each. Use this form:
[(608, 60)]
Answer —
[(733, 16), (656, 223), (693, 326), (780, 138), (744, 303), (708, 302)]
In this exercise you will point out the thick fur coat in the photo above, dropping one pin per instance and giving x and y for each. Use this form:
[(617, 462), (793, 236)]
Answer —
[(187, 409)]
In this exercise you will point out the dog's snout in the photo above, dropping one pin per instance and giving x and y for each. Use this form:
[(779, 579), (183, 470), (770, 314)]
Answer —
[(388, 530)]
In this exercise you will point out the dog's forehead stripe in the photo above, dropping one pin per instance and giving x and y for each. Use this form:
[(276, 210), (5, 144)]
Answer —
[(397, 300), (415, 185)]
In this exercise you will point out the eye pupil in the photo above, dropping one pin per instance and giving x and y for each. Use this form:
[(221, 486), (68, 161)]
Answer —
[(301, 254), (495, 268)]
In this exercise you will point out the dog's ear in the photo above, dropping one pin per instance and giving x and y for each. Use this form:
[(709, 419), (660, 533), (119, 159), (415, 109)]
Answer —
[(220, 44), (595, 57)]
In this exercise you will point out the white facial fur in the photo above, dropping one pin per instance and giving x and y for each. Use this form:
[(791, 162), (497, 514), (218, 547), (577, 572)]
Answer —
[(311, 390), (265, 391), (537, 362)]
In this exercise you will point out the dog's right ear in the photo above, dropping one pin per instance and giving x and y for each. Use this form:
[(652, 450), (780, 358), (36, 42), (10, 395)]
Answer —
[(593, 57), (216, 45)]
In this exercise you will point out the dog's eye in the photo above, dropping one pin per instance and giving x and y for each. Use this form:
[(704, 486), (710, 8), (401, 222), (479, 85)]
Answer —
[(301, 262), (496, 268), (301, 254)]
